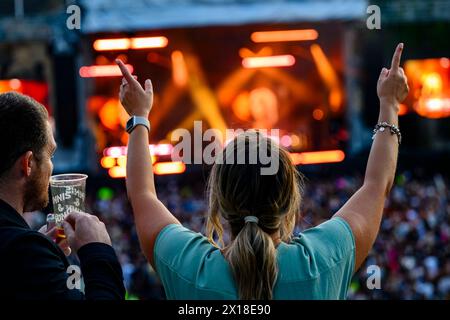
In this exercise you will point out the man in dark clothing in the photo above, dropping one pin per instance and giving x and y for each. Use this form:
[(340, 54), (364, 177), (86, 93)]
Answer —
[(32, 266)]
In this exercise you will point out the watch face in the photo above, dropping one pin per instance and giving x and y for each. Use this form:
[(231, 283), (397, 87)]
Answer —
[(130, 124), (134, 121)]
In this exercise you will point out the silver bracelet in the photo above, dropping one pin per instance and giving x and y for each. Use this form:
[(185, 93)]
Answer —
[(382, 126)]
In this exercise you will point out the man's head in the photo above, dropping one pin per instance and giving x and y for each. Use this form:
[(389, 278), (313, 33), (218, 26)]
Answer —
[(27, 146)]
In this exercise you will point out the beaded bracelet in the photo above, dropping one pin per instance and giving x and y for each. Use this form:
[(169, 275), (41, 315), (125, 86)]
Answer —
[(383, 126)]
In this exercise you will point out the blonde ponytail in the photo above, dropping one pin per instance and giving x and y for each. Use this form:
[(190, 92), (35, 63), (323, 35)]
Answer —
[(252, 256)]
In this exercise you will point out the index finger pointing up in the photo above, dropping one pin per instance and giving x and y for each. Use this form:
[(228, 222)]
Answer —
[(126, 73), (395, 64)]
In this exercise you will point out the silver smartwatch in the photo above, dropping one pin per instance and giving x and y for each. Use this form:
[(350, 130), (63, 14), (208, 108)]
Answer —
[(136, 121)]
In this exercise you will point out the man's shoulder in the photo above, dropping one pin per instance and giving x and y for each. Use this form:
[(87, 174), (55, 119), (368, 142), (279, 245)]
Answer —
[(14, 238), (13, 232)]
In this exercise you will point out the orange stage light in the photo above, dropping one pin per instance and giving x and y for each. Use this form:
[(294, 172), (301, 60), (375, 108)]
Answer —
[(241, 106), (102, 71), (15, 84), (149, 42), (179, 69), (9, 85), (35, 89), (162, 149), (284, 35), (245, 52), (328, 74), (295, 140), (162, 168), (202, 95), (108, 162), (130, 43), (109, 114), (286, 60), (263, 105), (122, 161), (117, 172), (115, 152), (318, 114), (429, 80), (402, 110), (436, 107), (317, 157), (112, 44)]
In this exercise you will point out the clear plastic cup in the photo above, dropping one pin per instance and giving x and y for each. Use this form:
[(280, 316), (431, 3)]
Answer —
[(68, 193)]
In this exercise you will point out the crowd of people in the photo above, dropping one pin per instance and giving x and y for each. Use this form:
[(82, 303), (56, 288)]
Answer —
[(411, 252)]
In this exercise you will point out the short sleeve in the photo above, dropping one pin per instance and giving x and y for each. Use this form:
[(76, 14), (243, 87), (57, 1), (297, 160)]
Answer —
[(173, 240), (331, 246), (179, 254)]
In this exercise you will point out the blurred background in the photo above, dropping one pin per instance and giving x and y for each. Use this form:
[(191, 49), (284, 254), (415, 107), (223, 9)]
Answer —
[(308, 68)]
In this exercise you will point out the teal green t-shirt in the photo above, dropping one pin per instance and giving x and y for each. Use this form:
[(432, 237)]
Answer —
[(318, 264)]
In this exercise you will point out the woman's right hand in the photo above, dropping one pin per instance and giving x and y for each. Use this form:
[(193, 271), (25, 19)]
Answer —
[(392, 87), (136, 100)]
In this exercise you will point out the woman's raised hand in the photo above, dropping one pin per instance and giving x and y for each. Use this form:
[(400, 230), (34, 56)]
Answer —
[(392, 87), (136, 100)]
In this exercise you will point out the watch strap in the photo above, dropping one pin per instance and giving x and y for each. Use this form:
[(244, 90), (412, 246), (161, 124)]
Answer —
[(136, 121)]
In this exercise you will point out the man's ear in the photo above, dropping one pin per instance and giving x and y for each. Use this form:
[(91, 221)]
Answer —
[(26, 161)]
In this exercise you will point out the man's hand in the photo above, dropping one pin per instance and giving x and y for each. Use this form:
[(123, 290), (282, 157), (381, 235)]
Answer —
[(392, 87), (136, 100), (82, 228), (63, 244)]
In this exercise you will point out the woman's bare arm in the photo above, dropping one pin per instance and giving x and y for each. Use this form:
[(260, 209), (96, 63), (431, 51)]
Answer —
[(364, 210), (150, 214)]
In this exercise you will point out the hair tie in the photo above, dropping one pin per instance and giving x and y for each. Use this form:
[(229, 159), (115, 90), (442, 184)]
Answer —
[(251, 219)]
